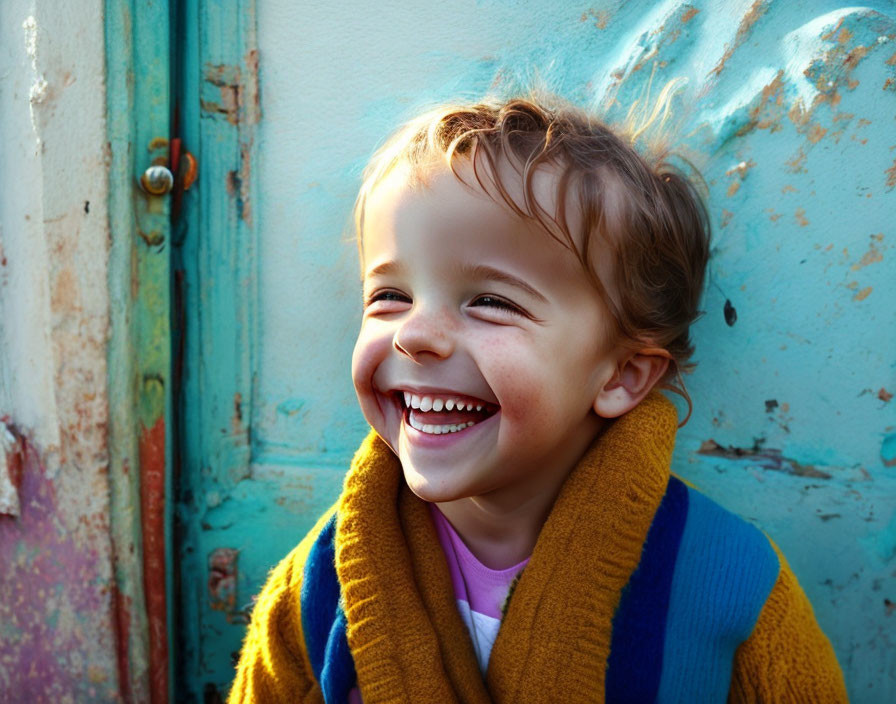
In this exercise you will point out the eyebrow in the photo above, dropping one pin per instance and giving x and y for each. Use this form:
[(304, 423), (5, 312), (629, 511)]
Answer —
[(475, 271), (483, 271), (384, 269)]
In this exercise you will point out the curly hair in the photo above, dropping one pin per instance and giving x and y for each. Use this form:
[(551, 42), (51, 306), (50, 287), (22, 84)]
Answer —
[(640, 209)]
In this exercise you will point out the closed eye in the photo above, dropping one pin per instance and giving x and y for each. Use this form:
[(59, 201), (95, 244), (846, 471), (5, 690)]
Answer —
[(492, 301), (385, 298)]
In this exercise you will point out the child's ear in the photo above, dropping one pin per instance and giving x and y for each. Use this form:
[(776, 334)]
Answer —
[(635, 376)]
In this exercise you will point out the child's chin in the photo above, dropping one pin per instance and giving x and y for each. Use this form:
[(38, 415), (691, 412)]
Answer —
[(427, 490)]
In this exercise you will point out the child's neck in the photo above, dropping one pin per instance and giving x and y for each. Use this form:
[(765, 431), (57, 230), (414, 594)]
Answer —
[(501, 528), (498, 538)]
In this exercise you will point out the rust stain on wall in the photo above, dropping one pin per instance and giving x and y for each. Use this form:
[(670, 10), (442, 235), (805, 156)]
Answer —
[(152, 506), (122, 607)]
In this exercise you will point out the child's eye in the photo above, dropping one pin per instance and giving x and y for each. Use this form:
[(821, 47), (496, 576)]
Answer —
[(491, 301), (387, 297)]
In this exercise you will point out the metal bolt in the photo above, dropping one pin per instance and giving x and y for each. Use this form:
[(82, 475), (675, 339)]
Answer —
[(157, 180)]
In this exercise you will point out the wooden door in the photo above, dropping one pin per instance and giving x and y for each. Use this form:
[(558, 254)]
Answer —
[(283, 102)]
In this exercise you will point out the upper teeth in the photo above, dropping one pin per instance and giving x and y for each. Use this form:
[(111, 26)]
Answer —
[(437, 403)]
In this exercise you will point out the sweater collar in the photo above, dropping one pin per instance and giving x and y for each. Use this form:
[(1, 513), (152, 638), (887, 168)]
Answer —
[(406, 635)]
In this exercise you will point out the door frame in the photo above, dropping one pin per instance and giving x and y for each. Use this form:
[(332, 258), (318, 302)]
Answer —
[(138, 120), (215, 273)]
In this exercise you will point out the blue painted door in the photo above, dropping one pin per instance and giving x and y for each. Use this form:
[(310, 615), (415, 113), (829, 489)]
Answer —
[(788, 112)]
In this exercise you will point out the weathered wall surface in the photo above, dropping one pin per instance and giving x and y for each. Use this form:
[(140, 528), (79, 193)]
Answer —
[(788, 112), (59, 610)]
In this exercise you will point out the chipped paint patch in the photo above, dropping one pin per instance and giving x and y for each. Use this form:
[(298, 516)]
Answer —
[(872, 256), (11, 460), (888, 451), (816, 132), (232, 92), (222, 579), (885, 542), (863, 294), (236, 420), (757, 9), (767, 458), (55, 610), (600, 17), (891, 176)]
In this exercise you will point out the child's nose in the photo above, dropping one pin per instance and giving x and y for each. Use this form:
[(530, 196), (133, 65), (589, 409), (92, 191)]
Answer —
[(425, 334)]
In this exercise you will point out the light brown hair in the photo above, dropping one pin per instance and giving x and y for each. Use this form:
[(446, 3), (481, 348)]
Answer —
[(641, 209)]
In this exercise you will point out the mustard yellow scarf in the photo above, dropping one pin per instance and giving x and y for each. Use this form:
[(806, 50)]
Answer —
[(404, 630)]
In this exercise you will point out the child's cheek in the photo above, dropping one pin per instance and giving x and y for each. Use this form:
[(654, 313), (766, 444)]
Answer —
[(368, 356), (507, 366)]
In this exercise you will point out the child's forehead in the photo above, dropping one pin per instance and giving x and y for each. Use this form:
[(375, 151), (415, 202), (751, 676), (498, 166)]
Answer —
[(519, 201), (503, 186)]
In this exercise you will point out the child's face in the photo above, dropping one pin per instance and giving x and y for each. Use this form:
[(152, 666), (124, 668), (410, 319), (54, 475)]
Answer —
[(465, 302)]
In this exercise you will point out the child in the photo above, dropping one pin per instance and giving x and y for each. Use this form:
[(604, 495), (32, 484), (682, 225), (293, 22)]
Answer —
[(529, 281)]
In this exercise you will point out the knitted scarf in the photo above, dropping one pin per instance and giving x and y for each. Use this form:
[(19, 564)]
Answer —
[(405, 632)]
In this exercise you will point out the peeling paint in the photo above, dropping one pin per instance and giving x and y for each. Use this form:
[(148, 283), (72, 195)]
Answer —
[(888, 451), (891, 176), (767, 458), (222, 579), (236, 422), (601, 18), (757, 9), (53, 639), (238, 95), (11, 460), (872, 256), (863, 294), (227, 80)]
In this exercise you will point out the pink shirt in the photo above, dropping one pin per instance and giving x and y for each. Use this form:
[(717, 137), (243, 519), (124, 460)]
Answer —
[(480, 591)]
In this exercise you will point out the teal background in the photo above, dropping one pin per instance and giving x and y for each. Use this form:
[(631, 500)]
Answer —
[(788, 111)]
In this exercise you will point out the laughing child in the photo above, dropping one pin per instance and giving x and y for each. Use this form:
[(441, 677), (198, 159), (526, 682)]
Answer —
[(510, 530)]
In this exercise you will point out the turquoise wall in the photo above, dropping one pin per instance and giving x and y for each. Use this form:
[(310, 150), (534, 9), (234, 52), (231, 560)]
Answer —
[(789, 113)]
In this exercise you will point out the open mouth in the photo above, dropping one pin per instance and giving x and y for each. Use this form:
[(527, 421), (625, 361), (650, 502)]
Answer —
[(440, 414)]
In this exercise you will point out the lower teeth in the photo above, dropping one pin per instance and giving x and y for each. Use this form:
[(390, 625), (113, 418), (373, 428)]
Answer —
[(438, 429)]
